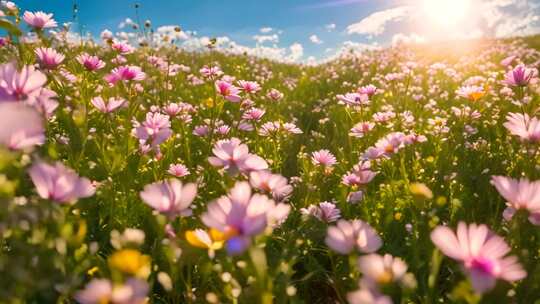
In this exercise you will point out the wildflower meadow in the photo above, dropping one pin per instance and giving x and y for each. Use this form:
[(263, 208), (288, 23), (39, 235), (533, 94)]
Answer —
[(138, 172)]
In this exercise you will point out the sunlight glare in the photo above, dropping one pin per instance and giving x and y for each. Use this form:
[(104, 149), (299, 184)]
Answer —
[(446, 13)]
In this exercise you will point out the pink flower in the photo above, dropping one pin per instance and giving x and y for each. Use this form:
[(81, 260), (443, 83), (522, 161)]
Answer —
[(520, 76), (249, 86), (21, 126), (122, 48), (49, 58), (325, 212), (520, 195), (107, 107), (253, 114), (368, 90), (361, 128), (170, 197), (95, 292), (228, 91), (91, 63), (275, 95), (274, 184), (59, 183), (234, 156), (178, 170), (360, 175), (381, 269), (45, 102), (348, 235), (155, 129), (323, 158), (20, 86), (353, 99), (125, 73), (241, 215), (523, 126), (211, 72), (367, 296), (482, 253), (39, 20)]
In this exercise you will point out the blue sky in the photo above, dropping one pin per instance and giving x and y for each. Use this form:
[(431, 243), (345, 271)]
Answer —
[(358, 23)]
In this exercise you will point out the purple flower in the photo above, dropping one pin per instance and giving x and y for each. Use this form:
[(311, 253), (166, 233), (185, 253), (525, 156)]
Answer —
[(274, 184), (59, 183), (520, 194), (125, 73), (348, 235), (482, 253), (523, 126), (520, 76), (170, 197), (178, 170), (21, 126), (228, 91), (325, 212), (107, 107)]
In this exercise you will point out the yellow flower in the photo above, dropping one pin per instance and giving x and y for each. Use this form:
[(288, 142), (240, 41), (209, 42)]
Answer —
[(131, 261), (212, 240)]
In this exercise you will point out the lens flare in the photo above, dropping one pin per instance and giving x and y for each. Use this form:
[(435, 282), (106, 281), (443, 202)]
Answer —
[(446, 13)]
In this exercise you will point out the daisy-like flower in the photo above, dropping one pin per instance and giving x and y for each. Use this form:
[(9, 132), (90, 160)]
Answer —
[(109, 106), (353, 99), (39, 20), (22, 85), (21, 126), (526, 128), (253, 114), (381, 269), (360, 175), (154, 130), (520, 194), (367, 296), (274, 95), (91, 63), (228, 91), (471, 92), (59, 183), (368, 90), (520, 76), (98, 291), (49, 58), (122, 48), (326, 212), (349, 235), (323, 158), (482, 254), (170, 197), (241, 215), (274, 184), (360, 129), (211, 72), (178, 170), (211, 240), (234, 156), (125, 73), (249, 87)]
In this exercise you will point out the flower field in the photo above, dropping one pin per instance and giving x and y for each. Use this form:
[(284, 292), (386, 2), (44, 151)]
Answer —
[(148, 174)]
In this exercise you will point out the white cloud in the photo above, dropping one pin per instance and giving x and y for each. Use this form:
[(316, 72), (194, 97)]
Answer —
[(265, 30), (330, 27), (126, 22), (375, 23), (264, 38), (315, 39), (411, 38), (297, 51)]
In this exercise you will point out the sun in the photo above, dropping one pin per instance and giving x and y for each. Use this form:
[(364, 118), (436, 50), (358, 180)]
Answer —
[(446, 13)]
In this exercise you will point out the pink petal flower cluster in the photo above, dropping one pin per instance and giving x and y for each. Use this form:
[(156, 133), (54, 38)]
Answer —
[(91, 63), (21, 126), (178, 170), (525, 127), (349, 235), (49, 58), (97, 291), (483, 254), (520, 194), (353, 99), (234, 156), (391, 144), (39, 20), (520, 76), (109, 106), (59, 183), (125, 73), (323, 158), (228, 91), (153, 131), (23, 85), (274, 184), (241, 215), (360, 175), (249, 87), (326, 212), (170, 197)]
